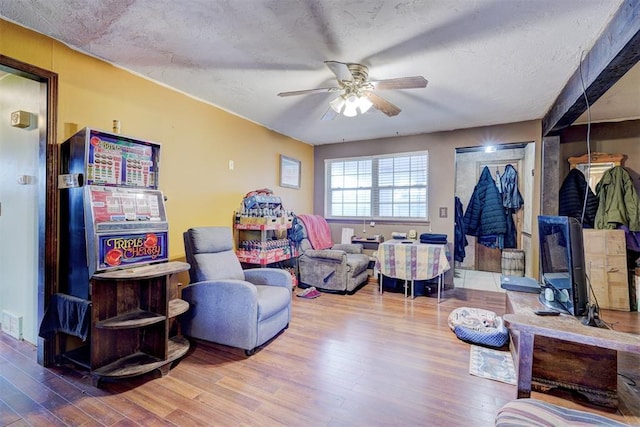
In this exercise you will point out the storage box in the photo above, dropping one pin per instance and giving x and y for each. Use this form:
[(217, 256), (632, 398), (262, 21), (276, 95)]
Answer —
[(605, 255), (259, 220)]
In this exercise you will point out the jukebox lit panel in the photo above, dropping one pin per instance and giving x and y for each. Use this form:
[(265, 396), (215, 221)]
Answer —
[(115, 204), (121, 250), (120, 161), (127, 227)]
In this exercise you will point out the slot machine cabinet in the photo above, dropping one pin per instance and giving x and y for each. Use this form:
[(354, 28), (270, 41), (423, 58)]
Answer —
[(114, 208), (114, 253)]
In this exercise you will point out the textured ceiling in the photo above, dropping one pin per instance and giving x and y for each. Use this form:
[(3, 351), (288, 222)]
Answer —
[(487, 62)]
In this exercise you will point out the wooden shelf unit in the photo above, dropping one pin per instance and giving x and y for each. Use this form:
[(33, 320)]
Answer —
[(262, 257), (133, 328)]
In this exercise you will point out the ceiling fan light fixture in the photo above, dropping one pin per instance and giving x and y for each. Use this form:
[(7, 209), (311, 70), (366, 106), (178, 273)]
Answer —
[(357, 92), (364, 104), (351, 106), (338, 104)]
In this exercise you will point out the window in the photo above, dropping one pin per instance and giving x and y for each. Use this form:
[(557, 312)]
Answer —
[(380, 187)]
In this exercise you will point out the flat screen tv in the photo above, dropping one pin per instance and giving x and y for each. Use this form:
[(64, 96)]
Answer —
[(564, 280)]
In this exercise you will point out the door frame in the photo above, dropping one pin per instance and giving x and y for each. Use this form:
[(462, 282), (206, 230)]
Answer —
[(489, 157), (47, 276)]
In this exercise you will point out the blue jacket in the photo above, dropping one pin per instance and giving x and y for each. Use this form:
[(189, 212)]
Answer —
[(460, 241), (485, 213)]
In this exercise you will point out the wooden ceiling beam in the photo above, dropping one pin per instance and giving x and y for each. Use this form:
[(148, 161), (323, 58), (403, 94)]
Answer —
[(614, 53)]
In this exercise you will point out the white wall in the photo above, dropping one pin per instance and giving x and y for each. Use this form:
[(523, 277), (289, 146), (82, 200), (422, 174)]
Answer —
[(19, 152)]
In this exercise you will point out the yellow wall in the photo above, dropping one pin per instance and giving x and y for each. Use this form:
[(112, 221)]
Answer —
[(197, 139)]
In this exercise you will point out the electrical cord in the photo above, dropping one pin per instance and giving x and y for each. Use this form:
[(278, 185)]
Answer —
[(593, 310), (588, 140)]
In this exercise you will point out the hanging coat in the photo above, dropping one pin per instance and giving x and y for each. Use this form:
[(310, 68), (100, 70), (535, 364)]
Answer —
[(485, 214), (618, 200), (571, 203), (460, 241), (512, 201), (511, 197)]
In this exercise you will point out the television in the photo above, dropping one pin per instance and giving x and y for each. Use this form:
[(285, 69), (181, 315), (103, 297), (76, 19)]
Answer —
[(564, 280)]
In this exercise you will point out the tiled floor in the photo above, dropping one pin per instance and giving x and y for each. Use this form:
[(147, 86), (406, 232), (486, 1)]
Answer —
[(472, 279)]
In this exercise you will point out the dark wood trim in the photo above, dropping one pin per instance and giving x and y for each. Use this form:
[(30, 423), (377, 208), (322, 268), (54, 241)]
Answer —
[(614, 53), (48, 198)]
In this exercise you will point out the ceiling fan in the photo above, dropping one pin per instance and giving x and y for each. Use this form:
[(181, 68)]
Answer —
[(357, 92)]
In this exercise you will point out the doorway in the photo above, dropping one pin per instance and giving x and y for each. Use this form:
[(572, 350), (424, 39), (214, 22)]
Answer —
[(469, 164), (28, 197), (19, 185)]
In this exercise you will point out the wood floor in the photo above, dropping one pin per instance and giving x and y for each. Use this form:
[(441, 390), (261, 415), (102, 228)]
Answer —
[(346, 360)]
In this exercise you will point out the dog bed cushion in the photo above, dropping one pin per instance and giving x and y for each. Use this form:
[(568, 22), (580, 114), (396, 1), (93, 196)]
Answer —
[(478, 326)]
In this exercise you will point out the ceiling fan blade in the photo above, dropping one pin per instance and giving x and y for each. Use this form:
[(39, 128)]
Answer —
[(310, 91), (341, 70), (330, 114), (414, 82), (382, 104)]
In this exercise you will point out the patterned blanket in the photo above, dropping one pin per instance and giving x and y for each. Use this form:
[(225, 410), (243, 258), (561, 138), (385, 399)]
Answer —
[(318, 231)]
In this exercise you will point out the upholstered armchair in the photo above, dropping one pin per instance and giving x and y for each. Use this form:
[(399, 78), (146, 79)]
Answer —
[(339, 268), (228, 305)]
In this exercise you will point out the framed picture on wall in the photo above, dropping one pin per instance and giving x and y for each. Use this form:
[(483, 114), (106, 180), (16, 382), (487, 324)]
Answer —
[(289, 172)]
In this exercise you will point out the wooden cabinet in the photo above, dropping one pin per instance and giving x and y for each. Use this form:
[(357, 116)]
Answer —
[(589, 370), (134, 326), (605, 256)]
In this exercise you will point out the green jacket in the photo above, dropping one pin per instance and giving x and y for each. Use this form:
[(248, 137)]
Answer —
[(618, 201)]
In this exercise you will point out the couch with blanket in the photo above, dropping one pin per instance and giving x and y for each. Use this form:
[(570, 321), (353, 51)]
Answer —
[(339, 268)]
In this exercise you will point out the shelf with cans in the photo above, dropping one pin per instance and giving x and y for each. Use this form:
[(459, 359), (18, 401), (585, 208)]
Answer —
[(265, 252), (261, 226)]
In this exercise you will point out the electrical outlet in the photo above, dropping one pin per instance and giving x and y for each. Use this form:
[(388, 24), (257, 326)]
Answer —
[(20, 119), (12, 325)]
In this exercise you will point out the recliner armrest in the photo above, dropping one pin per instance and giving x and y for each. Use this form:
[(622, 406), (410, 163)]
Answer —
[(269, 276), (326, 254), (350, 248), (230, 288)]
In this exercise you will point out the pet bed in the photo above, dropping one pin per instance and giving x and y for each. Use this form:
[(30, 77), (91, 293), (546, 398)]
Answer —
[(478, 326)]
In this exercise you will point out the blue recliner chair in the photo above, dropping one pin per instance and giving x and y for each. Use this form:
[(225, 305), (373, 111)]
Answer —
[(228, 305)]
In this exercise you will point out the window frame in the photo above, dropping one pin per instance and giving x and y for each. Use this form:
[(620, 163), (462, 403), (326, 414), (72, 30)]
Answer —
[(375, 189)]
